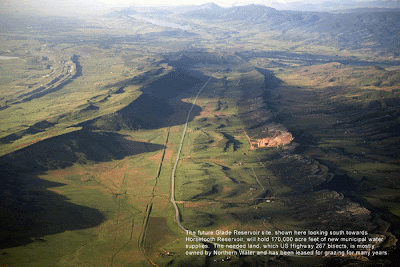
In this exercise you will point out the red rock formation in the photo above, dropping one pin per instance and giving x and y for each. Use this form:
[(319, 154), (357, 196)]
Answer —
[(279, 138)]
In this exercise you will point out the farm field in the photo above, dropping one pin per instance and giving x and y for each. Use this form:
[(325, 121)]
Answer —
[(120, 132)]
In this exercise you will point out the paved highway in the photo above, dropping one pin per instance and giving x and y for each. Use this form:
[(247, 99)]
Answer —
[(178, 221)]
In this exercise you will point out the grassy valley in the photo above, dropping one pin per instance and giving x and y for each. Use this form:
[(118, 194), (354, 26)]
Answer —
[(265, 119)]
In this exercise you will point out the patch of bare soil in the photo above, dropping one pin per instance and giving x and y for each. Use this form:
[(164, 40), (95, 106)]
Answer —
[(279, 138)]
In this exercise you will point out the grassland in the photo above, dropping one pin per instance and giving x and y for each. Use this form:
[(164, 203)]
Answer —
[(350, 125), (92, 118)]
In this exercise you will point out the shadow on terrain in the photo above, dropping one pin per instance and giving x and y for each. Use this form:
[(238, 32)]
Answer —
[(29, 210), (304, 139), (372, 126), (351, 190), (256, 114), (340, 183), (231, 141), (142, 78), (153, 109), (158, 234), (312, 59), (38, 127), (271, 82), (4, 107), (83, 147), (213, 190)]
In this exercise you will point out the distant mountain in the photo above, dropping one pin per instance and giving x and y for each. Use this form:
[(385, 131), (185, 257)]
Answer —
[(257, 14), (335, 5), (369, 4), (363, 27), (124, 12), (209, 6), (366, 10), (127, 11), (374, 28), (249, 12), (166, 10), (205, 7)]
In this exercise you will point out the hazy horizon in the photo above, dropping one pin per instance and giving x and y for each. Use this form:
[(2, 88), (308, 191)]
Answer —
[(70, 7)]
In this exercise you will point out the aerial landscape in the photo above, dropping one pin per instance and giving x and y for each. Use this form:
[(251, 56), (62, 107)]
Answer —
[(209, 134)]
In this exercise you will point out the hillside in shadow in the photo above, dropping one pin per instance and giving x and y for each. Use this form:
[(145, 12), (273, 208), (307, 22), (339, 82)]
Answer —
[(152, 109), (29, 209)]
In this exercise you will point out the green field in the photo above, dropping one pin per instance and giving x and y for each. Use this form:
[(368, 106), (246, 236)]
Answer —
[(92, 113)]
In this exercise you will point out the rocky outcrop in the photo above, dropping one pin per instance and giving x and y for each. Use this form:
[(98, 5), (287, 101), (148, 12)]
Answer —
[(279, 138)]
